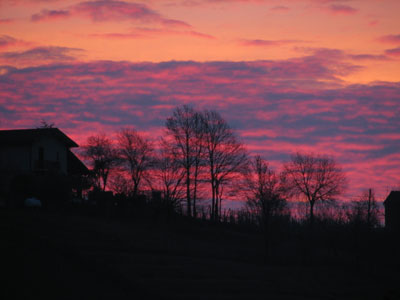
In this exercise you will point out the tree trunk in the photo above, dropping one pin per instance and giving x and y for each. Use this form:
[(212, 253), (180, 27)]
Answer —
[(189, 208), (212, 201), (216, 213), (196, 171), (312, 214)]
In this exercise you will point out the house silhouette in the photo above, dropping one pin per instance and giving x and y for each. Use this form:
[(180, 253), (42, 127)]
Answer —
[(34, 159), (392, 211)]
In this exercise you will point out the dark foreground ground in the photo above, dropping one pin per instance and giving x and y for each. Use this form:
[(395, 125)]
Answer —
[(64, 256)]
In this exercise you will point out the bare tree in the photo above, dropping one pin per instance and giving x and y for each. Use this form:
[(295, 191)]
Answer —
[(185, 135), (101, 156), (136, 156), (365, 211), (119, 184), (45, 124), (314, 177), (265, 195), (198, 158), (225, 159), (168, 177)]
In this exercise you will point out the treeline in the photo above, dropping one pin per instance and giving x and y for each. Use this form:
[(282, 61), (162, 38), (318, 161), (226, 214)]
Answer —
[(200, 161)]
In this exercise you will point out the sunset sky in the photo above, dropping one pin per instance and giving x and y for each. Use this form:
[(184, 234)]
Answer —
[(320, 76)]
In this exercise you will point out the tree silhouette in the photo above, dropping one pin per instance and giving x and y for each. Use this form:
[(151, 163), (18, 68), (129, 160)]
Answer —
[(169, 176), (225, 157), (365, 211), (315, 177), (119, 184), (135, 153), (184, 133), (102, 156), (265, 196)]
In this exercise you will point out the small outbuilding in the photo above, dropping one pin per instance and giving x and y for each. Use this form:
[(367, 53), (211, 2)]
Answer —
[(392, 211)]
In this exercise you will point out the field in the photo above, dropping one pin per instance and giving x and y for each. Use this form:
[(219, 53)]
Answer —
[(75, 256)]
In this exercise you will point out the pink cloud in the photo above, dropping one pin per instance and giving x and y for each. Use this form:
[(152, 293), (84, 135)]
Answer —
[(110, 10), (266, 43), (393, 52), (373, 23), (118, 36), (142, 32), (103, 10), (176, 23), (7, 41), (391, 38), (6, 21), (200, 35), (47, 15), (280, 8), (339, 9)]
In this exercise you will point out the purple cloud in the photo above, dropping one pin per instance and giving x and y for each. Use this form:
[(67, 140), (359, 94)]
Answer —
[(110, 10), (103, 10), (373, 57), (339, 9), (46, 15), (6, 41), (337, 54), (391, 38), (393, 52), (40, 55)]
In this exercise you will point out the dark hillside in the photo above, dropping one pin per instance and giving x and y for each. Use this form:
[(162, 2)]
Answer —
[(60, 256)]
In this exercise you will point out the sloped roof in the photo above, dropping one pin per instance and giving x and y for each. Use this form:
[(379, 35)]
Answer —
[(393, 196), (75, 165), (27, 136)]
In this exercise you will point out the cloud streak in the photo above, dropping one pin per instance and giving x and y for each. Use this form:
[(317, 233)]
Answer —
[(393, 52), (40, 55), (50, 15), (141, 33), (340, 9), (391, 38), (6, 41), (280, 8), (267, 43), (6, 21)]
